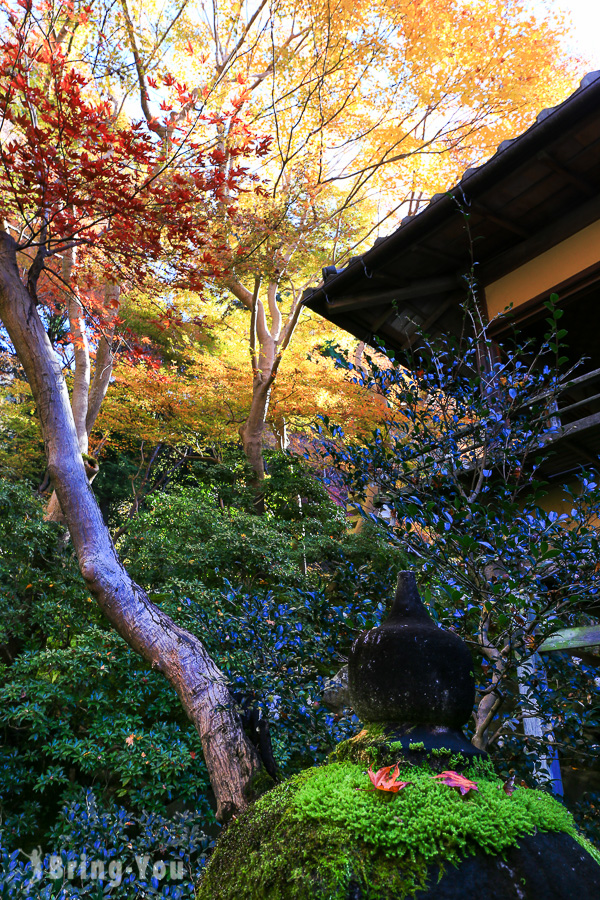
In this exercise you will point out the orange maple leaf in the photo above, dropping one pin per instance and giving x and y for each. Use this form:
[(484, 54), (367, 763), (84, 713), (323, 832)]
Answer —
[(453, 779), (385, 779)]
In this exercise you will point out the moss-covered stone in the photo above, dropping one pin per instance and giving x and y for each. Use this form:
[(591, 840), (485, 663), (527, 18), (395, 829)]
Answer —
[(368, 747), (258, 785), (327, 834)]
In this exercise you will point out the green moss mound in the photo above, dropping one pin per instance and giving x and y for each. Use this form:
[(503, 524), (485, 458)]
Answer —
[(325, 830)]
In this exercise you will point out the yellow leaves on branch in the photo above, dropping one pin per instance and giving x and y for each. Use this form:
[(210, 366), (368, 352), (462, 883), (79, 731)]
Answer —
[(209, 394)]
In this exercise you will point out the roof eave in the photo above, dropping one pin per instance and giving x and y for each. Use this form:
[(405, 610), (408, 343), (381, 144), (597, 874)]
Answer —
[(510, 154)]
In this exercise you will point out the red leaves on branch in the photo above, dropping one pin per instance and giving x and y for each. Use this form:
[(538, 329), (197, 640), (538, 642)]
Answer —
[(72, 172)]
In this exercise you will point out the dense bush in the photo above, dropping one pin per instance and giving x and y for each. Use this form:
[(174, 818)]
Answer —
[(108, 851), (236, 580), (80, 711), (77, 707), (464, 468)]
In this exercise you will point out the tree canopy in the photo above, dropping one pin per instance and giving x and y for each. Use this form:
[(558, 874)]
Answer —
[(172, 176)]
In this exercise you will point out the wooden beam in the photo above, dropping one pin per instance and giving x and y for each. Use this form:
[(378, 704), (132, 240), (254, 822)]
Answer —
[(586, 638), (382, 319), (508, 224), (565, 409), (576, 447), (556, 231), (437, 254), (439, 312), (579, 426), (412, 291), (577, 180)]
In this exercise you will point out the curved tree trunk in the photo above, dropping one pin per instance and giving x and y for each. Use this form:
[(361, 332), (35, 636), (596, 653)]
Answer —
[(267, 346), (231, 760)]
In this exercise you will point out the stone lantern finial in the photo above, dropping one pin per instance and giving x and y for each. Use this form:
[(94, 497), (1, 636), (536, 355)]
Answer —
[(409, 673)]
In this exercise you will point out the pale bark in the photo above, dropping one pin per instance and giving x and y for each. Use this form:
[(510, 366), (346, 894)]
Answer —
[(546, 767), (231, 760), (263, 354), (81, 352), (280, 430), (104, 357), (267, 345), (86, 399), (81, 374), (251, 432), (491, 701)]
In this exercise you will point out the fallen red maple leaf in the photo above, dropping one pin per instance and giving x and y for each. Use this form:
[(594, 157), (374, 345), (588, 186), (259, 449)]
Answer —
[(453, 779), (385, 779)]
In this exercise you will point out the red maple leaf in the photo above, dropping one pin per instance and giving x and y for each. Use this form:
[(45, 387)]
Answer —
[(385, 779), (453, 779)]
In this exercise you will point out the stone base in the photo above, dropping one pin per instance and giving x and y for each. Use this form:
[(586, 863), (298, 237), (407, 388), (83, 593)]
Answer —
[(542, 867), (433, 737)]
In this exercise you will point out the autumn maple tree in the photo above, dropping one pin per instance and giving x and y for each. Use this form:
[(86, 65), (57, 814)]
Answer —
[(371, 109), (198, 396), (90, 199), (344, 108)]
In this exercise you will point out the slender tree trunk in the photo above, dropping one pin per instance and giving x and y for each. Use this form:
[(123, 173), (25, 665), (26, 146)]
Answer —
[(104, 357), (251, 434), (281, 433), (546, 767), (231, 760), (81, 352), (267, 346), (264, 369), (86, 399), (81, 376)]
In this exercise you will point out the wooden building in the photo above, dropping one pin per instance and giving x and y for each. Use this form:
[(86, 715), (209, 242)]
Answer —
[(529, 218)]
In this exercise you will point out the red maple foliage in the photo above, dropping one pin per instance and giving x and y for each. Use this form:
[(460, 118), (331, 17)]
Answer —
[(137, 199), (453, 779), (386, 779)]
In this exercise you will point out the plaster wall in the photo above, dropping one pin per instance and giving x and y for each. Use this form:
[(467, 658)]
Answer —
[(544, 273)]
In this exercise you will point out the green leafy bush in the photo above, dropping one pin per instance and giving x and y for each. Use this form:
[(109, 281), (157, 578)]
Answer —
[(77, 707)]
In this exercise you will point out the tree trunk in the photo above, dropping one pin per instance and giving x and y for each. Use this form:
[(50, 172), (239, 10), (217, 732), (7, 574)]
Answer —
[(251, 434), (104, 357), (281, 433), (81, 352), (546, 766), (267, 346), (231, 760), (86, 400), (81, 376)]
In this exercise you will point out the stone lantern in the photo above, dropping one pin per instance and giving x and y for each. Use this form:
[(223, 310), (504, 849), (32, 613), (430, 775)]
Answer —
[(408, 807)]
